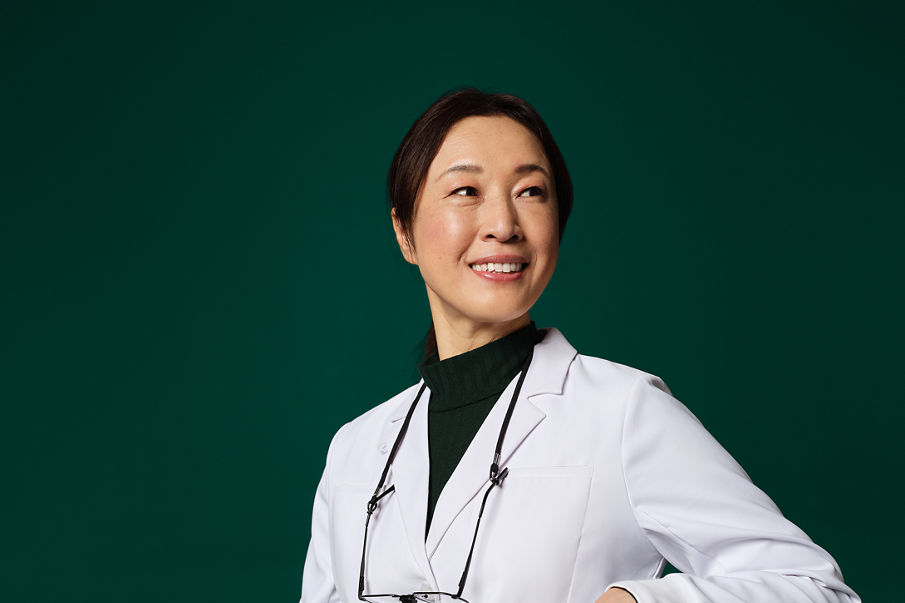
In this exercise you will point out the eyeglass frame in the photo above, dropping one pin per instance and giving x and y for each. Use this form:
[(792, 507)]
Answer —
[(496, 479)]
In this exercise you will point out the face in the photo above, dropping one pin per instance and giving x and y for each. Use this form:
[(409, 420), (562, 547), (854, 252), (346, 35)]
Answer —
[(485, 232)]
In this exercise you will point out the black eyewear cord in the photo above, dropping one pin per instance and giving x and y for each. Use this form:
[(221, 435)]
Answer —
[(496, 479)]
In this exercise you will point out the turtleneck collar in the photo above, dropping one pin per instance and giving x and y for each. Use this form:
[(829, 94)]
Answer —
[(479, 373)]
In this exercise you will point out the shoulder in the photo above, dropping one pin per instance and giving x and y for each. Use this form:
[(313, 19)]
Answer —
[(657, 430), (603, 373), (366, 437), (592, 378), (602, 391), (642, 400), (653, 428), (377, 417)]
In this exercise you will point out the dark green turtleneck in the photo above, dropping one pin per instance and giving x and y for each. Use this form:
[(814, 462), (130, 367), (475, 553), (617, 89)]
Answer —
[(463, 390)]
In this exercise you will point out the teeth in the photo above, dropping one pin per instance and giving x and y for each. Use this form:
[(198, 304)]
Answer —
[(498, 267)]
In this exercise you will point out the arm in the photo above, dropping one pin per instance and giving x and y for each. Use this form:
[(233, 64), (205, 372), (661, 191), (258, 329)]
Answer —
[(701, 511), (616, 595), (317, 580)]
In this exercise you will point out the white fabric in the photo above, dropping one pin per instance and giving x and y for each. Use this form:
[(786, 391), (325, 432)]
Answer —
[(608, 476)]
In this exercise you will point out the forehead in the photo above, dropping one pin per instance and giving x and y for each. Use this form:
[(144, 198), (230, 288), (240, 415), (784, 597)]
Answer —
[(489, 140)]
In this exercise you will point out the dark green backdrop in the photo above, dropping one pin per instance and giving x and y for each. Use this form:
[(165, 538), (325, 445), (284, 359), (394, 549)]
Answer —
[(200, 282)]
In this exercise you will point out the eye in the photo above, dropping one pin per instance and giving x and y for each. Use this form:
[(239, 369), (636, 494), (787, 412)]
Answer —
[(532, 191), (466, 191)]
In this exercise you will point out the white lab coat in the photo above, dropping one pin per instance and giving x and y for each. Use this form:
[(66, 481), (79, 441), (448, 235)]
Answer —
[(609, 475)]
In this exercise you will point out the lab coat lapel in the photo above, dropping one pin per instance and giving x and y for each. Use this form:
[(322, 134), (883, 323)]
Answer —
[(410, 470), (473, 471), (546, 374), (409, 473)]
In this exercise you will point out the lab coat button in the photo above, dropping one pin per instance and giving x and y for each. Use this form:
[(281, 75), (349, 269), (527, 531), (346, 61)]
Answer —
[(383, 448)]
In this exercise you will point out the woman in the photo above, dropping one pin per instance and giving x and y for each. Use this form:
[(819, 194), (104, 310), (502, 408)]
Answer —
[(518, 469)]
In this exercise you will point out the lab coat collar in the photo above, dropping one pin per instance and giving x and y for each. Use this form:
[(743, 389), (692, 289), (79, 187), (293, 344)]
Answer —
[(553, 354), (552, 357)]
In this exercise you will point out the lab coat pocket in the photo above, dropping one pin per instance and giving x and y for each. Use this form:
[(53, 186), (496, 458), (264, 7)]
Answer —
[(533, 526)]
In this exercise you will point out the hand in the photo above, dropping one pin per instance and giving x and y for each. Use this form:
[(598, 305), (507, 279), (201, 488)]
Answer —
[(616, 595)]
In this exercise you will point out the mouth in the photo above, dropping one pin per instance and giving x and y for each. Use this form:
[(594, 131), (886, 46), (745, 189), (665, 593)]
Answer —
[(494, 267)]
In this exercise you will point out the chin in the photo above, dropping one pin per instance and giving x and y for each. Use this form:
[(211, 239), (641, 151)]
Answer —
[(498, 317)]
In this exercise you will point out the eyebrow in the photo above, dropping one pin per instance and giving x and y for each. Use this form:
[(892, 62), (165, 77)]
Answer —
[(531, 167), (462, 167), (476, 169)]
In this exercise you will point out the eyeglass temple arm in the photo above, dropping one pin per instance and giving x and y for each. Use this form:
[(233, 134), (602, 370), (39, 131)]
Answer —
[(364, 547), (372, 504), (496, 481), (402, 430), (495, 465), (496, 478)]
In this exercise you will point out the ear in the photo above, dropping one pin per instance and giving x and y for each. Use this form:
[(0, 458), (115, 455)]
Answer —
[(405, 246)]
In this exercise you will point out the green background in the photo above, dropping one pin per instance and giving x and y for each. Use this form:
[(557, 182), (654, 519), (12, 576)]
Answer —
[(200, 283)]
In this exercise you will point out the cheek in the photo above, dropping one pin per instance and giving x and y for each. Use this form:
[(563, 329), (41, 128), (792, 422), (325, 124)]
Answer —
[(551, 254), (440, 234), (545, 235)]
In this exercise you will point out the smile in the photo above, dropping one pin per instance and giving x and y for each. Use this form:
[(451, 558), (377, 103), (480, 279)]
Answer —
[(505, 267)]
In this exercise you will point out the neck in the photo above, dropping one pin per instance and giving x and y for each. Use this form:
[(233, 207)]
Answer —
[(458, 337)]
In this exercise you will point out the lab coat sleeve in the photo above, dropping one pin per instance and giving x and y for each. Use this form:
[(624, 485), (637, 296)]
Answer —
[(318, 585), (704, 515)]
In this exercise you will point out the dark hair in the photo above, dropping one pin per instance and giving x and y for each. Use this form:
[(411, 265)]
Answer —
[(423, 140)]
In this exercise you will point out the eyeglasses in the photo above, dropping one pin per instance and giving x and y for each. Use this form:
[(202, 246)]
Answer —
[(496, 479)]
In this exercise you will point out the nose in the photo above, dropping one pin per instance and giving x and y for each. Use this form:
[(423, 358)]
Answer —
[(500, 220)]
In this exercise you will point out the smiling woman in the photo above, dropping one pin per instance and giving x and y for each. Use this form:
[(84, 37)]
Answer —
[(518, 469)]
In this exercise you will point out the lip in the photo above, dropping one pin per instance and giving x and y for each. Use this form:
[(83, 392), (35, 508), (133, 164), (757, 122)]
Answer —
[(499, 259), (499, 276)]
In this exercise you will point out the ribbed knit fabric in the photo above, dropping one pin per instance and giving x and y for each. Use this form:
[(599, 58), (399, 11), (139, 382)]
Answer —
[(463, 389)]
